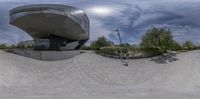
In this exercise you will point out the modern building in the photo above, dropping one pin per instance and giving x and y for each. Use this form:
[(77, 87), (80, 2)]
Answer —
[(26, 43), (52, 26)]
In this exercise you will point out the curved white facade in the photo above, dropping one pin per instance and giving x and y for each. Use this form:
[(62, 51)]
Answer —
[(45, 20)]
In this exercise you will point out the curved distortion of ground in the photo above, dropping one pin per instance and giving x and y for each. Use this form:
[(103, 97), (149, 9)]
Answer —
[(91, 76)]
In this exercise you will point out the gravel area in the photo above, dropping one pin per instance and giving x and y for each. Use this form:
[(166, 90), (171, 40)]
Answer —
[(91, 76)]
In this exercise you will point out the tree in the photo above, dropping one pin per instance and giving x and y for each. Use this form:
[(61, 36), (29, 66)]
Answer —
[(157, 40), (100, 42), (3, 46), (188, 45), (86, 47), (175, 46)]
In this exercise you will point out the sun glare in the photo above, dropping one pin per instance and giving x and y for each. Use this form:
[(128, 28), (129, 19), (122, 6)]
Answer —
[(101, 10)]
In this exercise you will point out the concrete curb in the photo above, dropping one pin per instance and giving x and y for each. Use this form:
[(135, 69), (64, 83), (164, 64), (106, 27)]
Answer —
[(45, 55), (124, 57)]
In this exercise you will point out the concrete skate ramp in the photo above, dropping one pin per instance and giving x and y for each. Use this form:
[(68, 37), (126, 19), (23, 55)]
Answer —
[(90, 76)]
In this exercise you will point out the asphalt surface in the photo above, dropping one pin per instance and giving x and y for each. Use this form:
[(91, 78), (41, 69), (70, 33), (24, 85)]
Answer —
[(91, 76)]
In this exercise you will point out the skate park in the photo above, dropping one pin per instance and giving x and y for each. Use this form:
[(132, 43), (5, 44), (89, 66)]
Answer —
[(54, 68), (89, 76)]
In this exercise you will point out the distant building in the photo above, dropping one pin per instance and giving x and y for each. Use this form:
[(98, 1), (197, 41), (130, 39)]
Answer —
[(26, 43)]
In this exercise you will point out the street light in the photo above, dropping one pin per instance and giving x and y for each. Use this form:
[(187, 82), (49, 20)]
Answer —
[(121, 57)]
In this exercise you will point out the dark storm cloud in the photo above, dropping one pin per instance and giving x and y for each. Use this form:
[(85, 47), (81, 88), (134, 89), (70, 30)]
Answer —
[(183, 20), (10, 34), (137, 20)]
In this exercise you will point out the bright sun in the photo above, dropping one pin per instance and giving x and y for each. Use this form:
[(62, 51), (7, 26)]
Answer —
[(101, 10)]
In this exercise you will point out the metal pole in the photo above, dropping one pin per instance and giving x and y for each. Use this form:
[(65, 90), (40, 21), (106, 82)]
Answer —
[(121, 57)]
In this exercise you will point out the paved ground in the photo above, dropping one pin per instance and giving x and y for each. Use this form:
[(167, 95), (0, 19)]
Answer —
[(90, 76)]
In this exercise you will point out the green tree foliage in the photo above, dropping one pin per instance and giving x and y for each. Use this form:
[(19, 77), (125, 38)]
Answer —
[(175, 46), (188, 45), (115, 50), (100, 42), (3, 46), (156, 41), (86, 47)]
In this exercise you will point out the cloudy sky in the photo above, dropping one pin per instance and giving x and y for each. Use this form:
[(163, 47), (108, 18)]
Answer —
[(132, 17)]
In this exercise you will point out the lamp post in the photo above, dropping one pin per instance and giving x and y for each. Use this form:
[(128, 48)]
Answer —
[(121, 57)]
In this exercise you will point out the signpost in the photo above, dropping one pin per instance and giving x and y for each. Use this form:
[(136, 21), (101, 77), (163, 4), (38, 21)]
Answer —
[(121, 53)]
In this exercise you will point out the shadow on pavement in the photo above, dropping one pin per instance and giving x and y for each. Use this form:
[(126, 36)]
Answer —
[(166, 58)]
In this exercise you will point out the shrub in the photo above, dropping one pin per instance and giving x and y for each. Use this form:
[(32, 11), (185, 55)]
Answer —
[(84, 47), (113, 50), (110, 50), (188, 45), (151, 51), (175, 46)]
